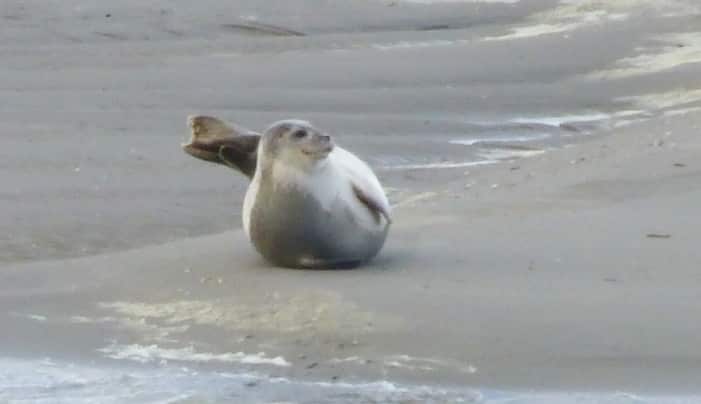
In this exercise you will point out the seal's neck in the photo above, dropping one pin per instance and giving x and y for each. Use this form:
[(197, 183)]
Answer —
[(284, 169)]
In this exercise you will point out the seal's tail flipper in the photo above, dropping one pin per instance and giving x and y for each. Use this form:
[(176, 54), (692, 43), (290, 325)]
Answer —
[(241, 154), (215, 141), (209, 127)]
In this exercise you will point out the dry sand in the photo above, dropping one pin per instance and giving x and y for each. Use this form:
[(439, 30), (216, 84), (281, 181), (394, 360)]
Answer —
[(576, 269)]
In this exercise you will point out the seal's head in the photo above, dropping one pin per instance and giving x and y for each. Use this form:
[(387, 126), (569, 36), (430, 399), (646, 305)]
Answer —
[(295, 143)]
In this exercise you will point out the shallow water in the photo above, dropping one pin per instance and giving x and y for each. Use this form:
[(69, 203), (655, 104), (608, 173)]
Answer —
[(46, 381)]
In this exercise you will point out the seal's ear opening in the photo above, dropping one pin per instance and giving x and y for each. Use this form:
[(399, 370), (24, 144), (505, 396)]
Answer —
[(214, 141)]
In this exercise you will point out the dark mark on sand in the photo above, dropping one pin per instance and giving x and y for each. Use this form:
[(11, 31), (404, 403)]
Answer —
[(570, 127), (658, 235), (438, 27), (111, 35), (262, 29)]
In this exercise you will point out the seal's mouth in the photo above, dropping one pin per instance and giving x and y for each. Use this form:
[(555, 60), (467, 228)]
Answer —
[(319, 152)]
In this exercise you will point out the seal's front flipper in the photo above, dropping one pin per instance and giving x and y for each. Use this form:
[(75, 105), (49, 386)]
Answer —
[(214, 141), (373, 205)]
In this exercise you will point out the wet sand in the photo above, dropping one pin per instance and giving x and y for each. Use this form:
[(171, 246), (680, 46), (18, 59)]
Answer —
[(578, 271), (572, 270)]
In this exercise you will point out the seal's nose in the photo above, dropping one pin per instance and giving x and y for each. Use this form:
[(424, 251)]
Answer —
[(325, 138)]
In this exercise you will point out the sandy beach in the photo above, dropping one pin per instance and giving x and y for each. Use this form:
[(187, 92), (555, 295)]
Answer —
[(542, 159)]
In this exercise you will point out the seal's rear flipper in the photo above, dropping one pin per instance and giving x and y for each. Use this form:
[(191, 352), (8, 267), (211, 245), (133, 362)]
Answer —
[(374, 206), (210, 127), (241, 154), (215, 141)]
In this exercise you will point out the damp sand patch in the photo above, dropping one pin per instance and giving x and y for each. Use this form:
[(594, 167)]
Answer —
[(307, 313), (171, 330), (568, 16), (681, 97), (667, 52), (571, 15)]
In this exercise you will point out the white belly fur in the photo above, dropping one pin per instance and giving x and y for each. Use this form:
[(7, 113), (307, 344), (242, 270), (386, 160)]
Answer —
[(330, 184), (248, 202)]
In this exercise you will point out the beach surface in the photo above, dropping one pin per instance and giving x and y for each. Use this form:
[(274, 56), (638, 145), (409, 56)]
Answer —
[(542, 159)]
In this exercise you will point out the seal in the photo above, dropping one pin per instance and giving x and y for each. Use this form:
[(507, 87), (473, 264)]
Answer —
[(312, 204)]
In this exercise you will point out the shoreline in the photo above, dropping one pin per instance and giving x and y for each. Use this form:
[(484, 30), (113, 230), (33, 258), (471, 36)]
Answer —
[(179, 385)]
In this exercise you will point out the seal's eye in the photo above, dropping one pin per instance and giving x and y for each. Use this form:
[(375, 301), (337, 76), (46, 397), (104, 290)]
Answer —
[(299, 134)]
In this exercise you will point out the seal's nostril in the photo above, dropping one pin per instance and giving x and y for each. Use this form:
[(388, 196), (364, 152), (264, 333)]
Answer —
[(325, 138)]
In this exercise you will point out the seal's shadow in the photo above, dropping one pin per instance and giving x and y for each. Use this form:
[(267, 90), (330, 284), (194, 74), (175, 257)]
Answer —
[(391, 260)]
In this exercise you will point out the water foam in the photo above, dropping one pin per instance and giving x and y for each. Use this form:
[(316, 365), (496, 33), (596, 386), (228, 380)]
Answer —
[(154, 353), (500, 139), (442, 164)]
